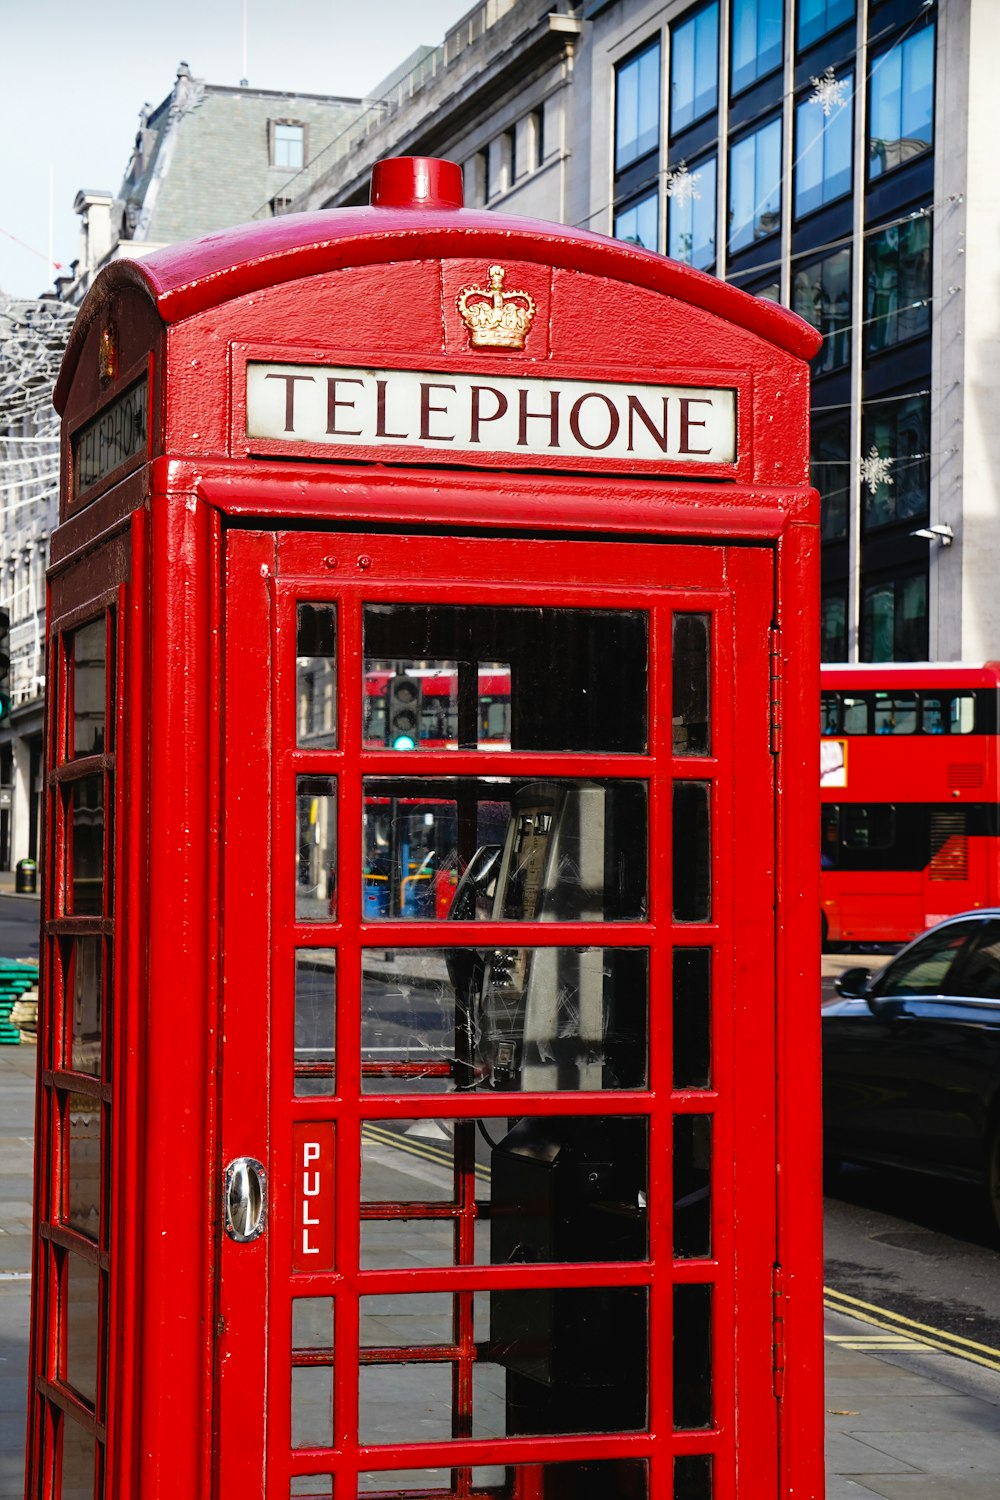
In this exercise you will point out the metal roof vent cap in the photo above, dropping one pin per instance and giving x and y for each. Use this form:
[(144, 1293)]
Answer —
[(417, 182)]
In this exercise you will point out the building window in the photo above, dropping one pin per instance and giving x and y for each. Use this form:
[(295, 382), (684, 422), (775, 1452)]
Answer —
[(833, 625), (897, 284), (637, 106), (769, 292), (898, 431), (694, 68), (830, 471), (288, 144), (537, 137), (755, 186), (638, 222), (280, 205), (691, 214), (816, 18), (500, 164), (823, 150), (894, 618), (902, 103), (821, 293), (757, 38)]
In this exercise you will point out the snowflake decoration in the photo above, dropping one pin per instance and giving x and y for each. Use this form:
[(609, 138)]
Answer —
[(828, 92), (875, 470), (681, 185)]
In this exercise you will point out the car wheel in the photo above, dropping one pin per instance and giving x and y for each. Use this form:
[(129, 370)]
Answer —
[(993, 1176)]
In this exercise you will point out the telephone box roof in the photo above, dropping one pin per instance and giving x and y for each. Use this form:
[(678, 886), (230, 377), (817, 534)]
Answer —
[(190, 277)]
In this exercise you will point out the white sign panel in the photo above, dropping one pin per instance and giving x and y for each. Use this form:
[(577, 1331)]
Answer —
[(490, 414)]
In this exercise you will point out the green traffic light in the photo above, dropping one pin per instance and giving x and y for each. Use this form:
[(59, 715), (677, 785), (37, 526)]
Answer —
[(404, 742)]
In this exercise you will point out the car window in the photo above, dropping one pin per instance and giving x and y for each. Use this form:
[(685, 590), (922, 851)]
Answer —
[(980, 974), (924, 968)]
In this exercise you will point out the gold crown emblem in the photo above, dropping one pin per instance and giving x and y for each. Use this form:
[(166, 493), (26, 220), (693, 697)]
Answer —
[(496, 319)]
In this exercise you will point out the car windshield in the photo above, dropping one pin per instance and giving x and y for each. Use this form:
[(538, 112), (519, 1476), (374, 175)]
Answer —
[(924, 969)]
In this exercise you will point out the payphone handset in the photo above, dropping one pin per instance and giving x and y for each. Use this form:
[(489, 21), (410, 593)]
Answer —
[(541, 1010)]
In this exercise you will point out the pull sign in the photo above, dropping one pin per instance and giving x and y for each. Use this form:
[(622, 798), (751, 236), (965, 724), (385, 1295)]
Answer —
[(245, 1199), (312, 1187)]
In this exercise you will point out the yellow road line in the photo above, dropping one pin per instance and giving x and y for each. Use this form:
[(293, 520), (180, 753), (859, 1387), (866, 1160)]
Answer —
[(927, 1336), (414, 1147)]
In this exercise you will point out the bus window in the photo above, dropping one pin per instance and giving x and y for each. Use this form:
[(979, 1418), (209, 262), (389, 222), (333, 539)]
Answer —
[(855, 714), (963, 713), (933, 715), (895, 714), (829, 845), (871, 826), (829, 716)]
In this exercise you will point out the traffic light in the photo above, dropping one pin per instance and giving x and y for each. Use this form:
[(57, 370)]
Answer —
[(5, 697), (402, 712)]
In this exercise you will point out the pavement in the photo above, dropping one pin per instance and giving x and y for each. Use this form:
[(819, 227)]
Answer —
[(905, 1420)]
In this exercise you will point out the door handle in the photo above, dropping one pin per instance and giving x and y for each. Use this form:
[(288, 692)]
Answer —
[(245, 1199)]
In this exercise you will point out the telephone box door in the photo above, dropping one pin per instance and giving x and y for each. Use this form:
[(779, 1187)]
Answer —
[(491, 1188)]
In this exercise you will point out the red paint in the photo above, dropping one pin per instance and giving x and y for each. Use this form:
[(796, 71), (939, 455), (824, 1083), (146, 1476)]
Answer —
[(202, 557)]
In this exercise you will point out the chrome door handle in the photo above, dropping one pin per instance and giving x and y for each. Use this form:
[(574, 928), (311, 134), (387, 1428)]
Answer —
[(245, 1199)]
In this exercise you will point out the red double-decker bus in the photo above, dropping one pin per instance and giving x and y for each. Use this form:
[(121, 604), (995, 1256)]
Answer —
[(909, 783)]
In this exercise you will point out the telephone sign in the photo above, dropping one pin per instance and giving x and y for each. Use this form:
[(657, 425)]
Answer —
[(427, 1102)]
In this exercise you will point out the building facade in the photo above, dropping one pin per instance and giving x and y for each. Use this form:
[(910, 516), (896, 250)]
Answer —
[(207, 157), (828, 154)]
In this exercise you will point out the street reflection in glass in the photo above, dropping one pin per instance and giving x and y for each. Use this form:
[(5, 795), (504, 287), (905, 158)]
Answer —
[(446, 677), (514, 1018), (546, 851), (315, 1020), (316, 849), (316, 677), (560, 1360)]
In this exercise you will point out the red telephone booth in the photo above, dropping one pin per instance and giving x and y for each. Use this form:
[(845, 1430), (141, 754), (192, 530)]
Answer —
[(428, 1090)]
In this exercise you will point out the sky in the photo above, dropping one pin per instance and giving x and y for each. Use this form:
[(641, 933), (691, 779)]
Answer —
[(73, 78)]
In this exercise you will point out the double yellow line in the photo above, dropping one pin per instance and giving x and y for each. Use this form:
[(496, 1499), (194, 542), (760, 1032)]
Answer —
[(414, 1146), (908, 1333)]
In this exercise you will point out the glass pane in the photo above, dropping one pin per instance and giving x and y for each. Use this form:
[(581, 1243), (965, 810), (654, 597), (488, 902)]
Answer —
[(89, 687), (85, 861), (692, 1018), (692, 1357), (637, 107), (312, 1406), (692, 672), (311, 1487), (560, 1188), (312, 1324), (963, 714), (78, 1453), (407, 1320), (694, 68), (316, 676), (557, 1361), (84, 989), (693, 1476), (510, 850), (83, 1164), (896, 714), (692, 1186), (692, 215), (755, 186), (447, 677), (82, 1326), (639, 223), (316, 849), (602, 1479), (315, 1020), (897, 284), (692, 852), (513, 1018)]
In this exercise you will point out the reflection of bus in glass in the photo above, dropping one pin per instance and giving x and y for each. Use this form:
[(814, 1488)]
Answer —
[(909, 785), (437, 687)]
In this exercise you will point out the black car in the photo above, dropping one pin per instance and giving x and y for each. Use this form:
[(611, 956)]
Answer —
[(911, 1058)]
